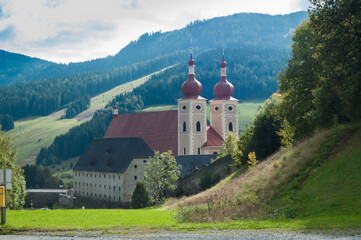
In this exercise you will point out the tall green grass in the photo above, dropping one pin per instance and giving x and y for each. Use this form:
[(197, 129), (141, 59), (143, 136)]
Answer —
[(300, 182)]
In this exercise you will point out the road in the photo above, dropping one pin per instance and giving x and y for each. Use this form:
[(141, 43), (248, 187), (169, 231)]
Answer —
[(206, 235)]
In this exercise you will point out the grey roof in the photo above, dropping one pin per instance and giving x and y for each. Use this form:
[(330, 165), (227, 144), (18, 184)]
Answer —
[(47, 190), (112, 154), (190, 162)]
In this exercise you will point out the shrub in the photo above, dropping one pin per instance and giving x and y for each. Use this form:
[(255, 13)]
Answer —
[(140, 197)]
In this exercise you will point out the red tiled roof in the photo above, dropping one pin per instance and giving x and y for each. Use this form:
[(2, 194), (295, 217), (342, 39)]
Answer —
[(213, 138), (158, 129)]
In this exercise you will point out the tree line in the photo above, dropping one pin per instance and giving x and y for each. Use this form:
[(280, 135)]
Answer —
[(46, 96), (320, 86), (252, 70), (6, 122), (77, 106)]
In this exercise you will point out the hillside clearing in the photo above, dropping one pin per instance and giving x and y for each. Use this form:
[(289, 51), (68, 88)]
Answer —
[(101, 100), (37, 132)]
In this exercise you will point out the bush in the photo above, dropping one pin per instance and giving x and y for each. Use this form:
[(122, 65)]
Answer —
[(140, 197)]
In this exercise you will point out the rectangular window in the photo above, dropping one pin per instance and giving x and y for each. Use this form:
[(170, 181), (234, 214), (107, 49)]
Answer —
[(184, 150), (144, 161), (135, 166), (135, 177), (199, 151)]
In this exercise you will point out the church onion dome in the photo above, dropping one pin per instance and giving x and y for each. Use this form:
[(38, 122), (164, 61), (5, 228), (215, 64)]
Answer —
[(223, 89), (191, 88)]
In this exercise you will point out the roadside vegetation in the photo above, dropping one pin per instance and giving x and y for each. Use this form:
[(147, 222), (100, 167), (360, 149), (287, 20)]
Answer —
[(287, 184)]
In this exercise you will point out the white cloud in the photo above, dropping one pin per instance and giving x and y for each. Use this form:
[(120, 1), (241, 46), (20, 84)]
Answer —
[(76, 30)]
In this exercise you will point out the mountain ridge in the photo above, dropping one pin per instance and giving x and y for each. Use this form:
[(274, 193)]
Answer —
[(233, 30)]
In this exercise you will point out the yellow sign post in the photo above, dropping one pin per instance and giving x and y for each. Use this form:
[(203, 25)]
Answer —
[(2, 204), (2, 196)]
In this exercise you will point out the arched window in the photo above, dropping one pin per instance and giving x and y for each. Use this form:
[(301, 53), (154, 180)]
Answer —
[(184, 127), (198, 127), (230, 127)]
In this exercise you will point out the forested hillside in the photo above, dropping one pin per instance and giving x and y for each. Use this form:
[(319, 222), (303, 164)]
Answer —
[(234, 31), (18, 68), (252, 70), (46, 96)]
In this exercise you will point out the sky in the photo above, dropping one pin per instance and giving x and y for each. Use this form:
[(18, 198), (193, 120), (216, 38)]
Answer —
[(66, 31)]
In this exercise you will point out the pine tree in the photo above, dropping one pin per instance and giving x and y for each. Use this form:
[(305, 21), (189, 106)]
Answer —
[(140, 197)]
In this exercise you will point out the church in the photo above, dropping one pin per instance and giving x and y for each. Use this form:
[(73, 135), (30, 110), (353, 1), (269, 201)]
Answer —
[(110, 167)]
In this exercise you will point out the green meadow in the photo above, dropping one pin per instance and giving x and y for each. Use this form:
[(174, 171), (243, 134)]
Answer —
[(153, 219)]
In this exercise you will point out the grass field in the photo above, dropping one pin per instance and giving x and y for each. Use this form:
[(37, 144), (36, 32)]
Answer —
[(127, 221)]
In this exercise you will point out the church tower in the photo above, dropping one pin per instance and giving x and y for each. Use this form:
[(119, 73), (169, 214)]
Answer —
[(224, 108), (192, 123)]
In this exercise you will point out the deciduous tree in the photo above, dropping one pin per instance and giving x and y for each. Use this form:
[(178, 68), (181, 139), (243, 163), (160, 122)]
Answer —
[(160, 174), (16, 195)]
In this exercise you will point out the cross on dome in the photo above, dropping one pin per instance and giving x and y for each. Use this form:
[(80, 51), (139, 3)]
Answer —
[(191, 88), (223, 89)]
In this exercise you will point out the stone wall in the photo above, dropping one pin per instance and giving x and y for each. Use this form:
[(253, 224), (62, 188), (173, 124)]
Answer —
[(190, 183)]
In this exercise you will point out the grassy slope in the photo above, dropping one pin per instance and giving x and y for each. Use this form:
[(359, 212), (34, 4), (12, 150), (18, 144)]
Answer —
[(37, 132), (99, 102), (316, 184), (332, 189)]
